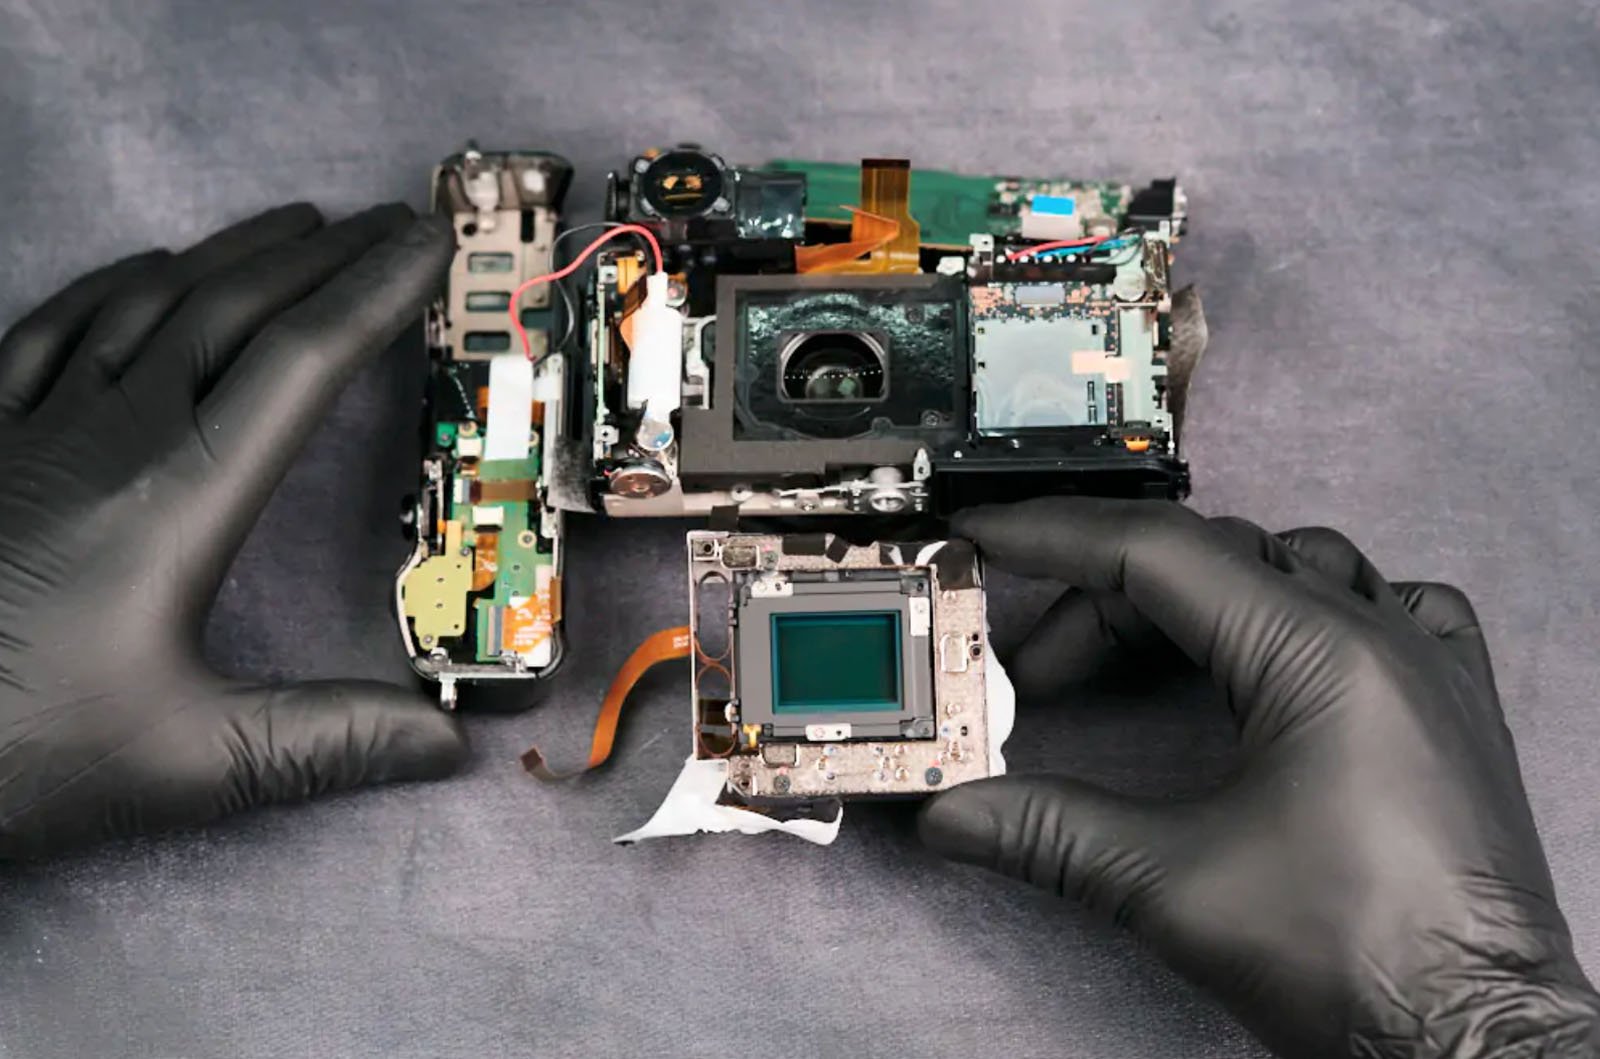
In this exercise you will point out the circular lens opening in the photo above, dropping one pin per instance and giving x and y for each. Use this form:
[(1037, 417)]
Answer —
[(834, 367)]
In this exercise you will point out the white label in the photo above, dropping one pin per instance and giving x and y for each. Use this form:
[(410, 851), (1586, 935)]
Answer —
[(921, 615), (770, 587), (827, 733), (1098, 362)]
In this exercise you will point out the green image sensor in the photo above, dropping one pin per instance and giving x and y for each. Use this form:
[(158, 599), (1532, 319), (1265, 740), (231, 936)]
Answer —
[(835, 662)]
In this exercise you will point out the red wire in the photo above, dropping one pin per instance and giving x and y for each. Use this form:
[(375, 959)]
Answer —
[(1057, 244), (577, 262)]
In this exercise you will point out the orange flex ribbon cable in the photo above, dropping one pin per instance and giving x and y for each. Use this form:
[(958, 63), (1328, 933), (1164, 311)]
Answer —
[(664, 646), (869, 233)]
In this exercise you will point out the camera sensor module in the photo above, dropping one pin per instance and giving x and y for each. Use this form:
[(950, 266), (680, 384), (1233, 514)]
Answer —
[(825, 670)]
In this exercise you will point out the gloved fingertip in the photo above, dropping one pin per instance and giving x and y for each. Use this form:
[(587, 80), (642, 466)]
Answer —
[(962, 824), (1036, 671), (419, 743), (301, 211), (155, 255), (328, 735), (396, 207), (386, 217), (431, 228), (965, 521), (980, 525)]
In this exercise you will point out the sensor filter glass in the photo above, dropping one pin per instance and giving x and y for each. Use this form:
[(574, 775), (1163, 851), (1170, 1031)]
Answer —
[(841, 661)]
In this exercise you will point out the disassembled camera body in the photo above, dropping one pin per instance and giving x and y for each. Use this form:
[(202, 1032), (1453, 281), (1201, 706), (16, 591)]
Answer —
[(953, 340), (480, 596), (796, 339), (824, 670)]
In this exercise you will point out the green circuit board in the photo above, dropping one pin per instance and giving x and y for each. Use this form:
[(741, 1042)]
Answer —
[(950, 207), (490, 502)]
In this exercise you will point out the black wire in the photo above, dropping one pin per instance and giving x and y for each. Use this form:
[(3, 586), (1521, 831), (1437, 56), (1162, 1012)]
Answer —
[(571, 331), (591, 226), (563, 344)]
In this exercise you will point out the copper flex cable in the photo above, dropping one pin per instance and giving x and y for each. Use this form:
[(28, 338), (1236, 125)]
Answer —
[(664, 646), (868, 233)]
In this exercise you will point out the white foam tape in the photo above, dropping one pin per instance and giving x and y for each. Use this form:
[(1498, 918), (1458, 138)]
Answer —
[(691, 807), (550, 382), (510, 407), (1001, 699)]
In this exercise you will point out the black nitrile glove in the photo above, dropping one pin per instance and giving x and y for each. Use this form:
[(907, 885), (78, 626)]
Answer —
[(1370, 882), (146, 414)]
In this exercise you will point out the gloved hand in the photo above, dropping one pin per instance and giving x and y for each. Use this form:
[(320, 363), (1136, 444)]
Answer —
[(1370, 882), (146, 414)]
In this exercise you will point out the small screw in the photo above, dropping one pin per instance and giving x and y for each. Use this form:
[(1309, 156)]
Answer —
[(933, 777), (781, 784)]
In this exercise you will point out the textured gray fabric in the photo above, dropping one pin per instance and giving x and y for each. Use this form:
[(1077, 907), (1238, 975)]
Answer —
[(1394, 215)]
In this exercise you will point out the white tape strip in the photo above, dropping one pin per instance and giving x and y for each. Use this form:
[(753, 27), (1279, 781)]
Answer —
[(510, 407), (691, 807)]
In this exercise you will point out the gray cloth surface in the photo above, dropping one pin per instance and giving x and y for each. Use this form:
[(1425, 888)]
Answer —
[(1394, 212)]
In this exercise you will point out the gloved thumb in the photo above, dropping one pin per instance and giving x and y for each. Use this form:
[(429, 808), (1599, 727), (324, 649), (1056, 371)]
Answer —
[(1064, 836), (293, 741)]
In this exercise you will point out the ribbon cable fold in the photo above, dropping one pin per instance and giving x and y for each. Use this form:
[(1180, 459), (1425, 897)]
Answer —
[(664, 646)]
